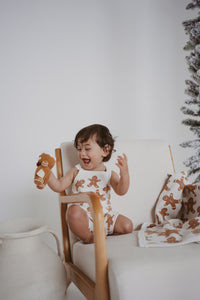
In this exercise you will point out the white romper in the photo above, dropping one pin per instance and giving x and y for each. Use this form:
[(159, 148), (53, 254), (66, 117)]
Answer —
[(98, 182)]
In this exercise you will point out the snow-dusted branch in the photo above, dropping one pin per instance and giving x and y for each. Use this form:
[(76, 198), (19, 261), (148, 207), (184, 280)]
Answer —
[(192, 105)]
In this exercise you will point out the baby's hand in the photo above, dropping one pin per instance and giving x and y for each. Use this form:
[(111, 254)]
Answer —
[(122, 163)]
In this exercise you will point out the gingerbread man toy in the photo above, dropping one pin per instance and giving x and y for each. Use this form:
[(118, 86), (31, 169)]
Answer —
[(42, 173)]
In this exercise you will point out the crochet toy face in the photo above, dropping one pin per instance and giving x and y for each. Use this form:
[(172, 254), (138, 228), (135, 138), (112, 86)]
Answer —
[(43, 171)]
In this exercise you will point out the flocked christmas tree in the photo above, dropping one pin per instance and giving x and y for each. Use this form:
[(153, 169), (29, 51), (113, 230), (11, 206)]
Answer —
[(192, 107)]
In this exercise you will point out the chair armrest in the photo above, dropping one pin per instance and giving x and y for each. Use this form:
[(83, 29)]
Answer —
[(101, 261)]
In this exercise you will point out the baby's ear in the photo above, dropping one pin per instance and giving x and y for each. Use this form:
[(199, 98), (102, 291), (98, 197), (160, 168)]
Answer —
[(107, 149)]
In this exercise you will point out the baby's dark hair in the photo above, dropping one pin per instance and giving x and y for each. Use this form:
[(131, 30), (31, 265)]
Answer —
[(102, 136)]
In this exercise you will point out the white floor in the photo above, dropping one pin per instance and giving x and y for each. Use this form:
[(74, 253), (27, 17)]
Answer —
[(73, 293)]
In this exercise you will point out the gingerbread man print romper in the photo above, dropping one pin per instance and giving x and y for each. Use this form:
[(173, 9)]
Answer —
[(98, 182)]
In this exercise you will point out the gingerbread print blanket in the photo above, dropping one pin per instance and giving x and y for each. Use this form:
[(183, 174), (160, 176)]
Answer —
[(177, 215)]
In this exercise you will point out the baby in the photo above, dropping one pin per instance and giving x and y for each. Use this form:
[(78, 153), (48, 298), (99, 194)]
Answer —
[(94, 146)]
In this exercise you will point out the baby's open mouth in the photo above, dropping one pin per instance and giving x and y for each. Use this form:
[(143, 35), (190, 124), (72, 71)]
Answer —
[(86, 161)]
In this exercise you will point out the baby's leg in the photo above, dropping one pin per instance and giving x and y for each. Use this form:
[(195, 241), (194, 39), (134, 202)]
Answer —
[(78, 222), (123, 225)]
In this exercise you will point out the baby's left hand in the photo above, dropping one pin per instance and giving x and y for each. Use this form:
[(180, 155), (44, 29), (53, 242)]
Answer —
[(122, 163)]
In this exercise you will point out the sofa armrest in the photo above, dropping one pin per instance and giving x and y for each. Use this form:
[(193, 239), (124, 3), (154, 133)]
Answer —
[(101, 262)]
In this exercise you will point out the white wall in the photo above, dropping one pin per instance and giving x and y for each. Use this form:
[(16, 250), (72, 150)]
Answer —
[(67, 64)]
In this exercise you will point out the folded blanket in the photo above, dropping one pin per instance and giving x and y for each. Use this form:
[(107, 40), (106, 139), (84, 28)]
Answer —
[(177, 215)]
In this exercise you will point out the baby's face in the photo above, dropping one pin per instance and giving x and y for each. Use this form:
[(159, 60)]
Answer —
[(91, 155)]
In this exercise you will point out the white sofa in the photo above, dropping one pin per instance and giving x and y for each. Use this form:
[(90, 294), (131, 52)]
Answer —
[(125, 270)]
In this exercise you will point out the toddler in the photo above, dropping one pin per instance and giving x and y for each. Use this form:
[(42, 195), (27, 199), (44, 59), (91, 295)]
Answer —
[(94, 146)]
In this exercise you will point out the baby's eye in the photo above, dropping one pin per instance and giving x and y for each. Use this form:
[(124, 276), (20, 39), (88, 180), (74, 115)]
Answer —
[(78, 149), (87, 149)]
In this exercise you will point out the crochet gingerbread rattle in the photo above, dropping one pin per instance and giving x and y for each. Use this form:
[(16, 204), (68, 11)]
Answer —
[(42, 173)]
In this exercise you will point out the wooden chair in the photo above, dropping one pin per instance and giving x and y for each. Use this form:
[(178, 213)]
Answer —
[(114, 268), (91, 290)]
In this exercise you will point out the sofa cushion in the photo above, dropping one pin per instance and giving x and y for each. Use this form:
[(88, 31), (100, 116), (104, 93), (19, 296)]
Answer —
[(144, 273)]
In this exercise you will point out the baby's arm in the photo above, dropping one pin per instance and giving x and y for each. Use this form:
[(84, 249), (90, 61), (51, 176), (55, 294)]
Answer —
[(59, 185), (120, 184)]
